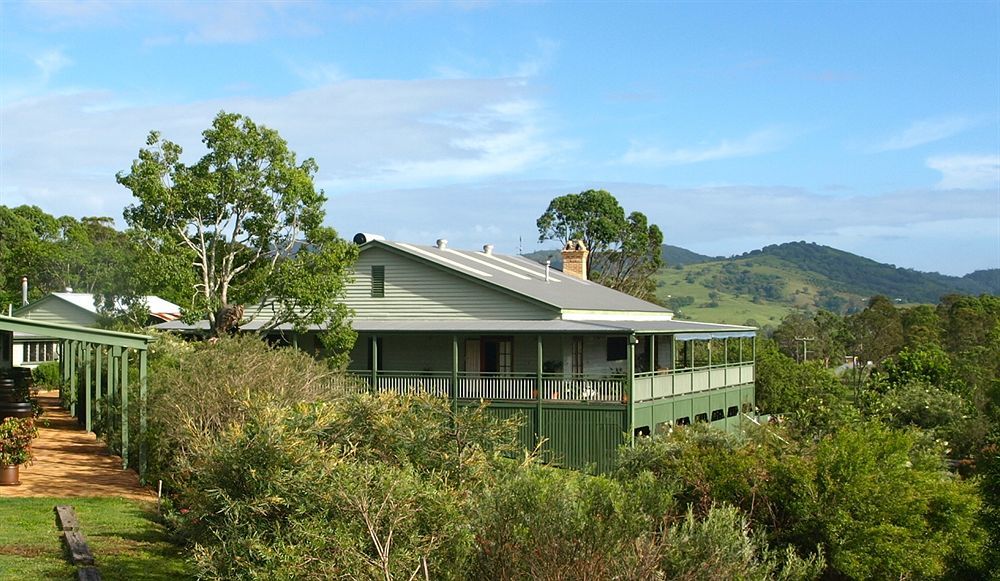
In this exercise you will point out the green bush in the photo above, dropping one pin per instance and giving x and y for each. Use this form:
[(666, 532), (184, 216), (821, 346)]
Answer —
[(271, 498), (47, 375), (196, 392), (878, 502)]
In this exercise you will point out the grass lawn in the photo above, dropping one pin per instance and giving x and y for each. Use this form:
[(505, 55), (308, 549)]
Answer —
[(124, 536)]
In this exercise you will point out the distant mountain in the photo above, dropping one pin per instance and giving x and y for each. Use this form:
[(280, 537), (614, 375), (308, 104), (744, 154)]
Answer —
[(858, 275), (764, 285), (677, 256), (540, 256), (990, 279)]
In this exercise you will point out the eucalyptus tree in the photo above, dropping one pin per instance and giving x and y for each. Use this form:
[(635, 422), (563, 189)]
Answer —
[(248, 220), (625, 251)]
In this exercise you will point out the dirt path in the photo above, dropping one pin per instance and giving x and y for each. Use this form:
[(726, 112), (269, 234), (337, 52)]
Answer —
[(72, 462)]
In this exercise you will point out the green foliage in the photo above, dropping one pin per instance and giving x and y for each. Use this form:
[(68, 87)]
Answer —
[(721, 546), (543, 523), (249, 219), (625, 251), (989, 486), (268, 499), (783, 386), (877, 501), (47, 375), (196, 392), (16, 435)]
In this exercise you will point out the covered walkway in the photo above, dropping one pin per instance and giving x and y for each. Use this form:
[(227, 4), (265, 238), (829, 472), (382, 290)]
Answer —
[(96, 366), (71, 462)]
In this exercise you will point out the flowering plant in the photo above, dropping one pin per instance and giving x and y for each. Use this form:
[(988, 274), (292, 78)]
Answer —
[(16, 435)]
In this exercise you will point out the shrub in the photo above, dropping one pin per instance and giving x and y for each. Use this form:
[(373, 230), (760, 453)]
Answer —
[(47, 375), (195, 395), (877, 501), (267, 498), (543, 523), (16, 435)]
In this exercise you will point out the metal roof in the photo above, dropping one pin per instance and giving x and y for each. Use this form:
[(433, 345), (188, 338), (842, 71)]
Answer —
[(74, 332), (524, 277), (501, 326), (158, 307)]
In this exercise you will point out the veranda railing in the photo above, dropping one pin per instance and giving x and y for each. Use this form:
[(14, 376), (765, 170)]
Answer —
[(499, 386)]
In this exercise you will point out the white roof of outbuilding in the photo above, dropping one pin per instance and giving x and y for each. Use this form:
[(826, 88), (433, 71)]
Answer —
[(158, 307)]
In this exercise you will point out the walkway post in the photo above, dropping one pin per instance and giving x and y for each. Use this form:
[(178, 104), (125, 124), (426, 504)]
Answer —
[(98, 369), (538, 397), (87, 385), (124, 400), (630, 388), (454, 376), (142, 413), (73, 391)]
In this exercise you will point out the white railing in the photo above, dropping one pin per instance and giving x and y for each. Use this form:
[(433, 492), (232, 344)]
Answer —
[(604, 389), (489, 386)]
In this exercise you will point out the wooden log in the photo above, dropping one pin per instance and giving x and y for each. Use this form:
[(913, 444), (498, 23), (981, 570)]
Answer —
[(88, 574), (79, 552), (66, 518)]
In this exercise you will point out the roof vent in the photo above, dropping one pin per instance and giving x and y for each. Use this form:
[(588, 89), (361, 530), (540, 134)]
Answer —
[(488, 249), (442, 243), (364, 238)]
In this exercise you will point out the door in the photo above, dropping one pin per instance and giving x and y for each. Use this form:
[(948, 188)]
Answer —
[(472, 355), (497, 355)]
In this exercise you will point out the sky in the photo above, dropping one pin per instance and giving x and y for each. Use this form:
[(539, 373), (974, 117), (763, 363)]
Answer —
[(872, 127)]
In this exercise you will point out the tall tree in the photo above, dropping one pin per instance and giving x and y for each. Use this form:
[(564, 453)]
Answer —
[(248, 219), (625, 251)]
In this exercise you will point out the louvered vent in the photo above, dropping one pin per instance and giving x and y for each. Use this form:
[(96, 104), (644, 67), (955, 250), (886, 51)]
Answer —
[(378, 281)]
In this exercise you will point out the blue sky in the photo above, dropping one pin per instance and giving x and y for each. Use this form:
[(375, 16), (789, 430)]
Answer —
[(870, 127)]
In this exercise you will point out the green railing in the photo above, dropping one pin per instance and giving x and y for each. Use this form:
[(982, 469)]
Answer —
[(668, 383), (551, 387)]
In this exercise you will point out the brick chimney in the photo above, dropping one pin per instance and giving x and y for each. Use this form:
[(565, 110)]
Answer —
[(574, 257)]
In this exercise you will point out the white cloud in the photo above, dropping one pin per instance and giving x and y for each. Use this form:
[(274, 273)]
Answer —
[(760, 142), (925, 131), (50, 62), (62, 151), (967, 171)]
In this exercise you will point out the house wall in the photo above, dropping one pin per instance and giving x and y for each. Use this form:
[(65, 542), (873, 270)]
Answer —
[(414, 290), (433, 352)]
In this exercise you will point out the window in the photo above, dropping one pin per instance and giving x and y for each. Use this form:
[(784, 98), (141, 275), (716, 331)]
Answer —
[(747, 408), (37, 351), (642, 432), (663, 427), (702, 418), (717, 415), (732, 411), (378, 281), (685, 421), (617, 348)]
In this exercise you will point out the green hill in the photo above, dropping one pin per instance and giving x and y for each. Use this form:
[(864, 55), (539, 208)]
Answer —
[(677, 256), (764, 285)]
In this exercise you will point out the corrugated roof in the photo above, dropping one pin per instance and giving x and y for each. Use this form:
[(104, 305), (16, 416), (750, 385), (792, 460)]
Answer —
[(499, 326), (157, 307), (524, 277)]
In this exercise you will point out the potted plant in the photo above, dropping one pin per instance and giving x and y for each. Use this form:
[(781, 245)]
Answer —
[(16, 435)]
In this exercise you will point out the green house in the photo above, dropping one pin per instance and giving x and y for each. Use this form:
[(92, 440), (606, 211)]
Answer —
[(585, 367)]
